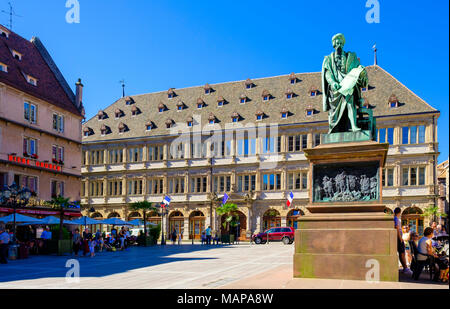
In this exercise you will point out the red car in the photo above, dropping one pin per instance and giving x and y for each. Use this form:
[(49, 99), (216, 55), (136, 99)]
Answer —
[(284, 234)]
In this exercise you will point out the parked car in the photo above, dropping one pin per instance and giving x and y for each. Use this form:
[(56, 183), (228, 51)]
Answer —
[(284, 234)]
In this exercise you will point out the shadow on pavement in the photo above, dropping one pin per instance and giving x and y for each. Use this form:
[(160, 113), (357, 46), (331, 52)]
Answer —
[(103, 264)]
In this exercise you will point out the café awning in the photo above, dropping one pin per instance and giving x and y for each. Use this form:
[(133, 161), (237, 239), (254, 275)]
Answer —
[(116, 221), (19, 219)]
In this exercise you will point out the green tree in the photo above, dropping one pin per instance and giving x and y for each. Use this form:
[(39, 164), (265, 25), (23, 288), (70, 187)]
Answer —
[(432, 212), (145, 207), (231, 219), (59, 203)]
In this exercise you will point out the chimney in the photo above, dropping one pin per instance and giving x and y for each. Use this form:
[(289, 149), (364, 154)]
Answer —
[(79, 94)]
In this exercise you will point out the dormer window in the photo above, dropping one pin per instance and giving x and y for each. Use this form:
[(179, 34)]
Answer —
[(309, 110), (4, 33), (313, 91), (161, 107), (135, 110), (101, 115), (248, 84), (3, 67), (190, 122), (393, 101), (171, 93), (122, 127), (220, 101), (200, 103), (149, 126), (292, 78), (31, 80), (169, 123), (17, 55), (212, 119), (265, 95), (180, 106), (87, 131), (243, 99), (284, 113), (259, 115), (129, 100), (118, 113), (235, 117), (207, 89), (289, 94), (103, 130)]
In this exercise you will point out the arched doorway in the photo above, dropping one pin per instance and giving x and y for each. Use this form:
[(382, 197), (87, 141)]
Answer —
[(292, 217), (196, 224), (154, 217), (134, 215), (271, 219), (176, 221), (240, 231), (412, 216), (96, 227), (388, 211), (113, 215)]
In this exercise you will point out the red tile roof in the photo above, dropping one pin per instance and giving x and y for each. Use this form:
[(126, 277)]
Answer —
[(48, 87)]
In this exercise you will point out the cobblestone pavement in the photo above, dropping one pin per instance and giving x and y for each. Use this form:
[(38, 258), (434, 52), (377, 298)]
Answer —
[(172, 267)]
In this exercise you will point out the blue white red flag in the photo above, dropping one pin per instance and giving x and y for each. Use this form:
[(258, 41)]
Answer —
[(290, 199), (225, 199), (166, 200)]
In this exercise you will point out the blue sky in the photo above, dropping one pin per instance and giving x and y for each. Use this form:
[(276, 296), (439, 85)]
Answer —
[(155, 45)]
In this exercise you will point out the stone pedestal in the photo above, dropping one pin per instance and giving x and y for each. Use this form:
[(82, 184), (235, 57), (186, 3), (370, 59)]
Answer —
[(351, 239)]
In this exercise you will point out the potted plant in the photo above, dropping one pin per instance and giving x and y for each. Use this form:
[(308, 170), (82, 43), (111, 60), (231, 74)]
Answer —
[(35, 156), (231, 220), (145, 207), (25, 154), (61, 162), (54, 161)]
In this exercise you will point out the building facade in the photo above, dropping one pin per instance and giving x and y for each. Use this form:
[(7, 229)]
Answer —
[(245, 139), (443, 177), (40, 121)]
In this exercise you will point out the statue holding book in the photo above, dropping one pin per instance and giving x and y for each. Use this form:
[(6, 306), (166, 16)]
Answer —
[(342, 79)]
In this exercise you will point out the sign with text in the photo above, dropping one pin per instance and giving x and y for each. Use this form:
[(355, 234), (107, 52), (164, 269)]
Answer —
[(30, 162)]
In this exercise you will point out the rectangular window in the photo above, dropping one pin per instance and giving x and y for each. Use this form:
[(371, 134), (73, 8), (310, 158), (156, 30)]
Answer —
[(271, 182), (176, 185), (413, 135), (156, 153), (382, 135), (135, 187), (405, 176), (58, 123), (413, 173), (115, 156), (135, 154), (388, 177), (421, 134), (269, 145), (405, 135), (115, 188), (29, 147), (30, 112), (421, 176), (246, 183), (198, 184), (57, 188), (317, 139), (390, 136)]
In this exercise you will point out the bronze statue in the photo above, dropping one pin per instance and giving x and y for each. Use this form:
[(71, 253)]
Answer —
[(342, 79)]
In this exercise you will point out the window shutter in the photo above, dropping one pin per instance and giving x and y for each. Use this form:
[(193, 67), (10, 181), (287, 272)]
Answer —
[(25, 146), (61, 124), (54, 155), (33, 114)]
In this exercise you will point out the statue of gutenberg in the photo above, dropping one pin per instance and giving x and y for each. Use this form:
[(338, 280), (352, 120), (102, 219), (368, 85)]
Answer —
[(342, 79)]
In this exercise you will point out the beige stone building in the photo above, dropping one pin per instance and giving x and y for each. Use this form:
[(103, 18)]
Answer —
[(249, 144), (40, 121)]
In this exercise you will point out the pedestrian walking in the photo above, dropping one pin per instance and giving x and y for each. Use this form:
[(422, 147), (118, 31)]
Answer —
[(92, 244), (76, 242), (400, 242), (174, 236), (208, 235), (4, 245)]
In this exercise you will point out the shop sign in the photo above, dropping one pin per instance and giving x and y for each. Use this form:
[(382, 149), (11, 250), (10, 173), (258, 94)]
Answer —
[(30, 162)]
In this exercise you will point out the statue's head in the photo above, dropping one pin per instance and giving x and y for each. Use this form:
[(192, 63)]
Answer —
[(338, 41)]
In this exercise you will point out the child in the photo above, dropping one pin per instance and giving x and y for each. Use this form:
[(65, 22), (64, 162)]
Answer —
[(92, 244)]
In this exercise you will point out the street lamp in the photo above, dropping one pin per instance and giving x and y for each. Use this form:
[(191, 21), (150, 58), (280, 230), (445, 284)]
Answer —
[(15, 197), (164, 211)]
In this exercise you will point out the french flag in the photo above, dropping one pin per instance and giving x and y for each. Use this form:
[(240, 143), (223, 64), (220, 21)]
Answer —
[(166, 200), (290, 199)]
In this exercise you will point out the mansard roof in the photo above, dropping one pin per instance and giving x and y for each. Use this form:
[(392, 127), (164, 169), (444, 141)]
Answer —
[(381, 86)]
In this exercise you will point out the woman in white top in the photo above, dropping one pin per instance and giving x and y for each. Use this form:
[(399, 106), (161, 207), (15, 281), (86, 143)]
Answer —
[(425, 250)]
